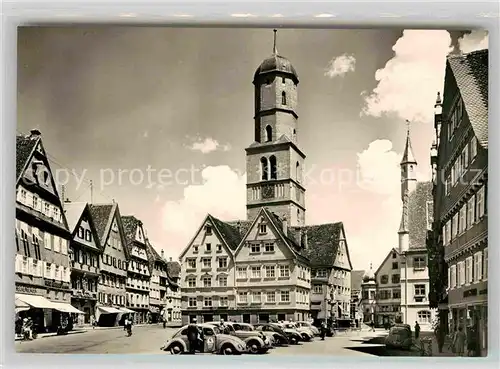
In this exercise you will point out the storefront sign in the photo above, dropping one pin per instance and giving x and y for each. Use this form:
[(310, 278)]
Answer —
[(26, 289), (470, 293)]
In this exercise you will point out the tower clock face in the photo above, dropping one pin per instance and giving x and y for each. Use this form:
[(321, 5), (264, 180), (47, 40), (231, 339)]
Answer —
[(268, 192)]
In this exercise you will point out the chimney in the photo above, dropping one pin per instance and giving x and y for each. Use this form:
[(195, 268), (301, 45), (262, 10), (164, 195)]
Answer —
[(35, 133), (162, 254), (284, 223), (304, 240)]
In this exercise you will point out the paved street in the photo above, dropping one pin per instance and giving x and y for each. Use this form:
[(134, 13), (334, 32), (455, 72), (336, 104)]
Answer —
[(148, 340)]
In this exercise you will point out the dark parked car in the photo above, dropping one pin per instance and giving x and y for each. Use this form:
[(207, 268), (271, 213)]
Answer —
[(400, 336), (280, 337)]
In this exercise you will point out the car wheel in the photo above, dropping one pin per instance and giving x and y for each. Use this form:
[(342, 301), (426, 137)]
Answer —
[(306, 338), (227, 350), (253, 347), (176, 349)]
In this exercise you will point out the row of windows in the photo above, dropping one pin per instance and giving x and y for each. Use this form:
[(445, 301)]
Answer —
[(389, 308), (137, 299), (389, 294), (84, 284), (34, 202), (208, 248), (395, 278), (269, 272), (114, 262), (459, 167), (257, 247), (207, 262), (84, 234), (112, 281), (208, 302), (109, 298), (323, 273), (259, 297), (27, 236), (472, 270), (470, 212), (139, 283), (207, 281), (37, 268), (84, 257), (270, 169)]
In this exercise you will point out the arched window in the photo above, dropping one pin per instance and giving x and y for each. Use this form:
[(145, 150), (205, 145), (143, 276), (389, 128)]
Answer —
[(269, 133), (283, 98), (264, 168), (274, 174), (297, 171)]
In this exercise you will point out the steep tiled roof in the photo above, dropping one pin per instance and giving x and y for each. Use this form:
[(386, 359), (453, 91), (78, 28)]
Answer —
[(356, 279), (130, 225), (471, 74), (24, 148), (322, 243), (73, 212), (229, 231), (173, 269), (418, 215), (101, 215)]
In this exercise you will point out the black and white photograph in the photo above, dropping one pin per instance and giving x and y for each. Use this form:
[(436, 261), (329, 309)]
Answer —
[(251, 191)]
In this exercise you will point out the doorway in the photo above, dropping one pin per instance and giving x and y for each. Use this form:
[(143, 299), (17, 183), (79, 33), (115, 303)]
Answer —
[(223, 317), (263, 318), (281, 317), (208, 318), (246, 318)]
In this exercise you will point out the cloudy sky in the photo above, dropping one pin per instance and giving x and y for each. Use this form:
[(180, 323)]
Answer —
[(158, 119)]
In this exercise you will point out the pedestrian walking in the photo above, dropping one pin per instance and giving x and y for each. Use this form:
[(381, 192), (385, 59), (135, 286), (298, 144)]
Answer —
[(471, 341), (417, 330), (372, 324), (459, 342), (93, 321), (192, 333), (323, 330)]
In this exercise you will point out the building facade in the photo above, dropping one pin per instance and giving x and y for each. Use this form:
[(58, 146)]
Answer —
[(459, 245), (388, 296), (331, 271), (111, 306), (138, 272), (357, 296), (85, 254), (272, 275), (369, 297), (42, 267)]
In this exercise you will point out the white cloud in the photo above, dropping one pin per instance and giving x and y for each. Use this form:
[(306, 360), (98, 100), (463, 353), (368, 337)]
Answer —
[(339, 66), (408, 84), (476, 40), (145, 134), (222, 194), (208, 145), (378, 168)]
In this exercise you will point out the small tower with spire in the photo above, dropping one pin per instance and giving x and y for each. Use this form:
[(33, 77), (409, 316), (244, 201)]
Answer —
[(408, 185)]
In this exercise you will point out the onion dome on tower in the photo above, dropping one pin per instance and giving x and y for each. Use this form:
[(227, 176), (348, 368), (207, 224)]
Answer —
[(276, 64)]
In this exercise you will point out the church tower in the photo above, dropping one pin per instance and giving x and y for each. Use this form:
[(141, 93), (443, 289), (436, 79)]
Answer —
[(408, 185), (274, 161)]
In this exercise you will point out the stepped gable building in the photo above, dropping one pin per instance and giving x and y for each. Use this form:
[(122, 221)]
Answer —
[(458, 245), (258, 269), (138, 272), (85, 254), (111, 309), (416, 220), (42, 267)]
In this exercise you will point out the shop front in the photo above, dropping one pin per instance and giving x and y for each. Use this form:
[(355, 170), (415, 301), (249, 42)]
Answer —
[(106, 316)]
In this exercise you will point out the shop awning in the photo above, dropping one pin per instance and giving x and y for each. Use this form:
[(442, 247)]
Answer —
[(67, 308), (108, 310), (125, 310), (35, 301)]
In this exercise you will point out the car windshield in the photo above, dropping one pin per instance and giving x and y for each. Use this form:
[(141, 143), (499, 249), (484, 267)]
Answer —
[(216, 330), (245, 328)]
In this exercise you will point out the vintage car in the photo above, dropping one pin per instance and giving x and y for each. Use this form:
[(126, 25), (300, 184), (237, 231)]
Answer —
[(256, 342), (214, 341), (251, 328), (306, 333), (399, 337), (313, 329), (293, 335), (281, 338)]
